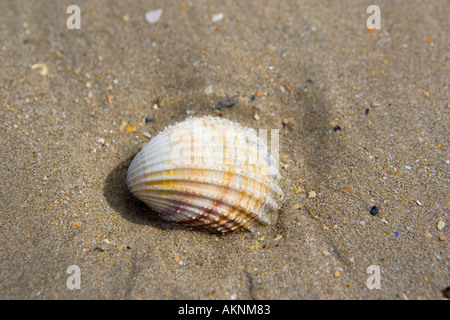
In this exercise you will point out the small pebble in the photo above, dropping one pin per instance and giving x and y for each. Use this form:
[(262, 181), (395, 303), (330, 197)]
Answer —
[(367, 111), (374, 210), (286, 121), (442, 237), (288, 87), (336, 128), (147, 135), (148, 119), (208, 89), (130, 128), (312, 194), (446, 292), (397, 233), (278, 237), (228, 103), (376, 104), (252, 98), (418, 202), (217, 17), (440, 225), (153, 16)]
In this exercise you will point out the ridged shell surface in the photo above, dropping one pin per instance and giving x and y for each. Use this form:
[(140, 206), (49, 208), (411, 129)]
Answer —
[(208, 173)]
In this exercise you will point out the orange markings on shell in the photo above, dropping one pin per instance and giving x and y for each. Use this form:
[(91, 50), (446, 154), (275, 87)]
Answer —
[(207, 191)]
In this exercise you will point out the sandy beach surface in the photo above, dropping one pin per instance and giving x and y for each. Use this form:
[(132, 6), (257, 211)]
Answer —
[(363, 116)]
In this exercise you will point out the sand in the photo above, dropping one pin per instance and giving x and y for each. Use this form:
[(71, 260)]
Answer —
[(365, 113)]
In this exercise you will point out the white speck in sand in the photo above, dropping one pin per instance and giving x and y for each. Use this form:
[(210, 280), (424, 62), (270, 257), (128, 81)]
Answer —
[(153, 16), (208, 89), (217, 17)]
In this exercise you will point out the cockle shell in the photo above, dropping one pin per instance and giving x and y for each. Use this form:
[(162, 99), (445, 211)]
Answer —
[(208, 173)]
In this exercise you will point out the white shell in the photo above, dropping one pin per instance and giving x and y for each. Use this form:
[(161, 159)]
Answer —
[(208, 173)]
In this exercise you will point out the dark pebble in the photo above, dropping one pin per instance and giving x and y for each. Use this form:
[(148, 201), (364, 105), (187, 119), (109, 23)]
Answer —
[(337, 128), (374, 210), (148, 119), (99, 249), (252, 98), (446, 292), (367, 111), (228, 103)]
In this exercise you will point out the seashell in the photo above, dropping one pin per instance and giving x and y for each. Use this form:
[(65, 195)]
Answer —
[(210, 174)]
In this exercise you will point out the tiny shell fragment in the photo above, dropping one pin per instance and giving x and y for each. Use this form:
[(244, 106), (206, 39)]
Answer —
[(153, 16), (311, 194), (217, 17), (42, 67)]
